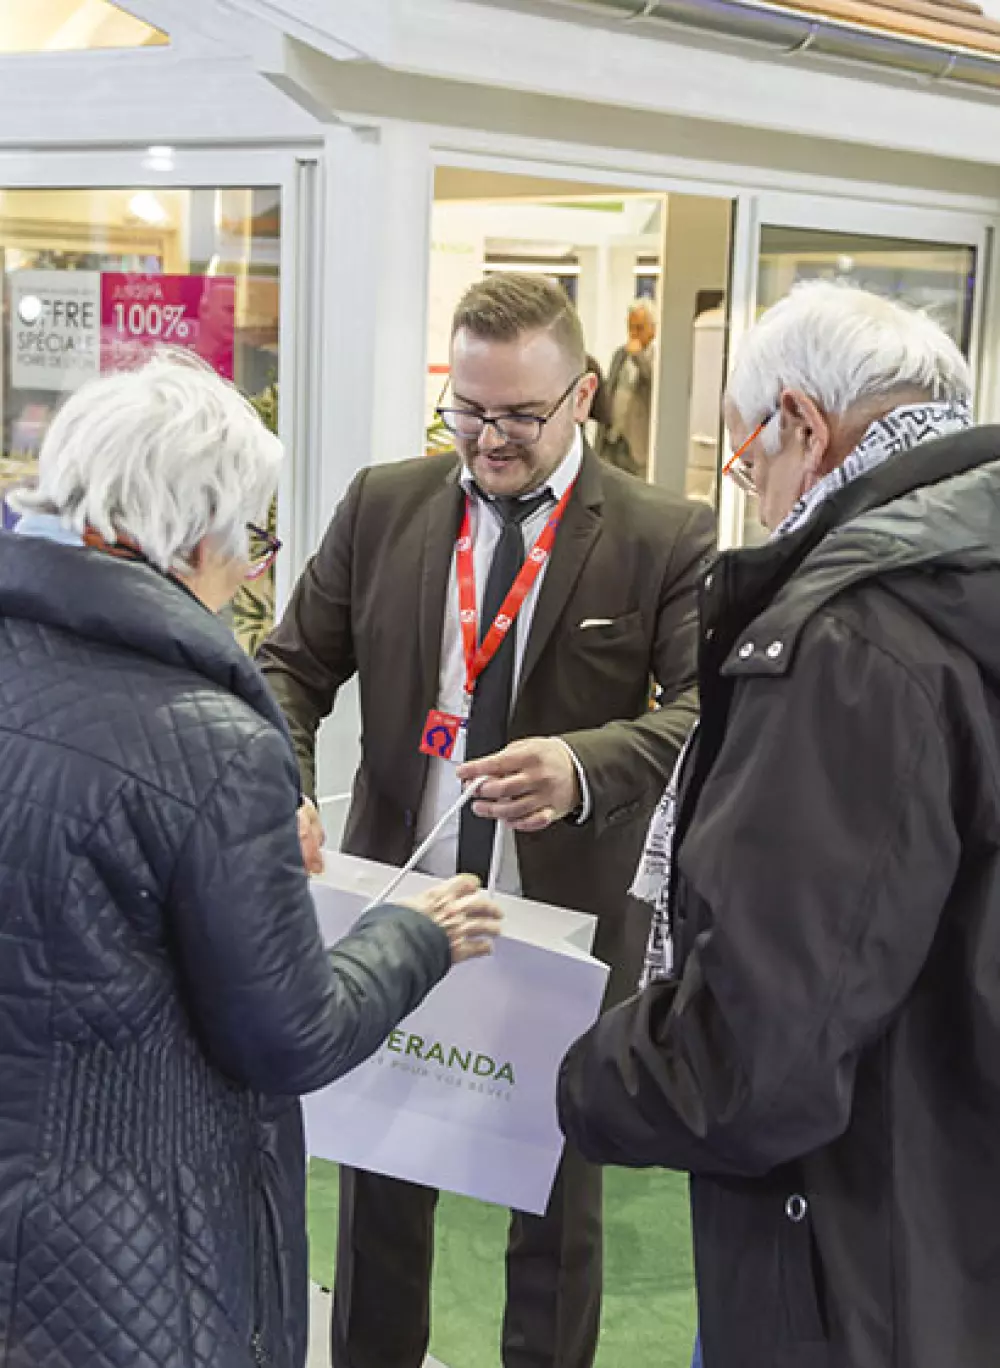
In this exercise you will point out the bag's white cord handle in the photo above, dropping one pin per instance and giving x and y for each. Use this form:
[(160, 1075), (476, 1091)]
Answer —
[(468, 793)]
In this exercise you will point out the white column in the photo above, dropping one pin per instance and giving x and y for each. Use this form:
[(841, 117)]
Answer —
[(348, 253), (696, 257), (621, 279), (347, 289), (401, 224), (607, 324), (588, 301), (375, 252)]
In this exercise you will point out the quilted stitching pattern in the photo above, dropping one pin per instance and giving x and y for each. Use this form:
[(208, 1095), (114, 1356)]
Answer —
[(100, 1278), (126, 1190)]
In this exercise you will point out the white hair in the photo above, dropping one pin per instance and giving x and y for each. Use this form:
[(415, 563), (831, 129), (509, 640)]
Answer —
[(841, 345), (169, 454)]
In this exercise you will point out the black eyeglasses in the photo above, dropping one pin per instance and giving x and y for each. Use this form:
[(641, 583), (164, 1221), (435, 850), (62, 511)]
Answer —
[(263, 550), (524, 429)]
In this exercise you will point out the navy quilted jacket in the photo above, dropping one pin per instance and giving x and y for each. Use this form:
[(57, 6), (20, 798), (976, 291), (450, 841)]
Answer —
[(164, 992)]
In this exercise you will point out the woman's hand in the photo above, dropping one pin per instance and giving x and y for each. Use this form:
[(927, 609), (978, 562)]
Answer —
[(312, 837), (465, 913)]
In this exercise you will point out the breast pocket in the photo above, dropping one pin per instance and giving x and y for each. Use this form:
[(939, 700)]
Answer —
[(598, 631), (608, 666)]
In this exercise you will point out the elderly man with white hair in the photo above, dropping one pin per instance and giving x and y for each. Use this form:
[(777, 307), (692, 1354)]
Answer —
[(164, 991), (624, 438), (818, 1038)]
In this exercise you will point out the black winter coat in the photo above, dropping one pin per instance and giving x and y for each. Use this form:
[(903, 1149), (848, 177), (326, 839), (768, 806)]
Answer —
[(163, 988), (827, 1063)]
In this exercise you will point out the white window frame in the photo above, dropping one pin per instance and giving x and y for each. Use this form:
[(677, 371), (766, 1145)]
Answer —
[(772, 198), (297, 173), (896, 221)]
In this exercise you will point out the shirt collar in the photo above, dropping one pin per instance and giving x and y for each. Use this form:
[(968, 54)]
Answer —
[(560, 479), (48, 526)]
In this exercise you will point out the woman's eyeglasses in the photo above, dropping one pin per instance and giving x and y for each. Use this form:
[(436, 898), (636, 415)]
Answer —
[(737, 468), (262, 551)]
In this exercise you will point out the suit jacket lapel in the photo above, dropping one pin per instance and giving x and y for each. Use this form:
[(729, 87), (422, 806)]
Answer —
[(442, 520), (579, 530)]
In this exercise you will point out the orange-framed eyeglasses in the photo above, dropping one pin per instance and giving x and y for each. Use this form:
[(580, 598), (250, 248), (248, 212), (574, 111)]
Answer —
[(736, 468)]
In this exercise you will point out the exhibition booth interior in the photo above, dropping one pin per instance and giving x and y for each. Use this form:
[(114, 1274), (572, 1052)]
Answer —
[(200, 268), (300, 198)]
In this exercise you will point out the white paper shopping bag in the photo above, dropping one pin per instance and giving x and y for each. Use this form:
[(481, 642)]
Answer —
[(462, 1096)]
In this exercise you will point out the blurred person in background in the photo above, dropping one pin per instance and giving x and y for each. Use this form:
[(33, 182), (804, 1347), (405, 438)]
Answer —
[(556, 722), (818, 1042), (600, 410), (628, 407), (164, 992), (215, 336)]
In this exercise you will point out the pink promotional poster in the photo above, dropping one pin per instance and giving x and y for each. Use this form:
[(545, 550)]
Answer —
[(69, 326), (141, 312)]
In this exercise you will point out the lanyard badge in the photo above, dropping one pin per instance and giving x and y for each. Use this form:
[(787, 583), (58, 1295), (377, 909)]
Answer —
[(440, 734), (441, 729)]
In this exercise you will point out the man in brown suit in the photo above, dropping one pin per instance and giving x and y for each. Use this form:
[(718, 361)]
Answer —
[(511, 608)]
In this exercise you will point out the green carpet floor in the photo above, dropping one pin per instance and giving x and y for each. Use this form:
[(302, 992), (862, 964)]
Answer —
[(648, 1298)]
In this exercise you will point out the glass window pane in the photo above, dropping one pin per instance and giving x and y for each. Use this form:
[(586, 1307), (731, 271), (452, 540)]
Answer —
[(938, 278), (602, 245), (608, 247), (95, 279), (73, 26)]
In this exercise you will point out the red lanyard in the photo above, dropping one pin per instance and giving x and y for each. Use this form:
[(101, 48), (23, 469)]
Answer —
[(477, 658)]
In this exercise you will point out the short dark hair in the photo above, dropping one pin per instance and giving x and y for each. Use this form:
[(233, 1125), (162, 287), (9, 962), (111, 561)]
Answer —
[(505, 306)]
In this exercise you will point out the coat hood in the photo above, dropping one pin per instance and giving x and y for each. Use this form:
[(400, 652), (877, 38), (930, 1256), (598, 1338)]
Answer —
[(926, 526), (127, 606)]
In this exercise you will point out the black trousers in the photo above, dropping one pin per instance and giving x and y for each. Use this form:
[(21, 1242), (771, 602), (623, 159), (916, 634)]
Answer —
[(381, 1308), (385, 1251)]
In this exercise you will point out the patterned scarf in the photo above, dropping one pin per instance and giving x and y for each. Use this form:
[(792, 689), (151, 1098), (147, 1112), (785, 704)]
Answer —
[(900, 430)]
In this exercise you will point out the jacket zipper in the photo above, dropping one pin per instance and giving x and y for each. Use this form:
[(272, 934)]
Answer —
[(258, 1348)]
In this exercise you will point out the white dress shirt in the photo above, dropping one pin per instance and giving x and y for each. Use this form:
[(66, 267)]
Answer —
[(442, 788)]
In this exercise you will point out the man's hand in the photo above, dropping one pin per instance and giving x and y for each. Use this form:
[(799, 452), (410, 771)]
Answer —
[(529, 784), (312, 837)]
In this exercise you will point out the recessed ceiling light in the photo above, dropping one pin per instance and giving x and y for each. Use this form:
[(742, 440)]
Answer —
[(145, 206)]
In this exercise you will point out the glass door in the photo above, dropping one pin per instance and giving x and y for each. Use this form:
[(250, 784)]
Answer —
[(648, 273), (95, 280), (928, 260), (160, 249)]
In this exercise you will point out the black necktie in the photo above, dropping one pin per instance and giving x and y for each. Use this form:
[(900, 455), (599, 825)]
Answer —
[(490, 714)]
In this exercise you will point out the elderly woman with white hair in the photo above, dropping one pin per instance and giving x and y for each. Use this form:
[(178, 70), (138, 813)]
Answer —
[(818, 1039), (164, 991)]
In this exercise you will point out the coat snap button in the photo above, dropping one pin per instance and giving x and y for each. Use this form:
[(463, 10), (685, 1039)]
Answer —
[(709, 633), (746, 650), (775, 649), (796, 1208), (709, 581)]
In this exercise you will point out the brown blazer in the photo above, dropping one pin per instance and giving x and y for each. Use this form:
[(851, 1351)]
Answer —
[(372, 602)]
